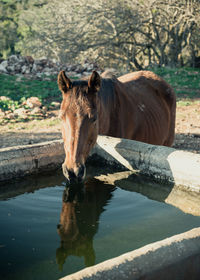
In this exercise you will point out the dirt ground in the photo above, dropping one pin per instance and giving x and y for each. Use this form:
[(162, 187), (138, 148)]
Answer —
[(187, 130)]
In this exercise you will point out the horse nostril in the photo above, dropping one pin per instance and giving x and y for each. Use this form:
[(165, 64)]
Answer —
[(81, 172), (72, 175)]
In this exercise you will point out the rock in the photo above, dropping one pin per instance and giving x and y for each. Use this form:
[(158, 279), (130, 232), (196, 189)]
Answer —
[(71, 74), (2, 114), (55, 105), (38, 75), (16, 64), (77, 75), (86, 74), (34, 68), (3, 66), (33, 102), (21, 113), (36, 111), (11, 68), (18, 68), (44, 109), (24, 68), (29, 59), (42, 62), (47, 71), (72, 68), (80, 69), (88, 67), (4, 98), (10, 116), (13, 59)]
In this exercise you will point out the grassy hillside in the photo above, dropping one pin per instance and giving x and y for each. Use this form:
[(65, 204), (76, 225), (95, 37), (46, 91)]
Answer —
[(185, 81)]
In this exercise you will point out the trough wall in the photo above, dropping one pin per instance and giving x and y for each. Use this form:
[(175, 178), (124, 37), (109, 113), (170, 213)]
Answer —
[(24, 160), (162, 163)]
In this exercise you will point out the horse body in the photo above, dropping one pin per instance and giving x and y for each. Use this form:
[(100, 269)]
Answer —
[(139, 106)]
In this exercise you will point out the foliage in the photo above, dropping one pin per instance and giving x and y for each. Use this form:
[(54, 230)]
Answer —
[(11, 33), (121, 34), (185, 81), (6, 105), (20, 89), (127, 34)]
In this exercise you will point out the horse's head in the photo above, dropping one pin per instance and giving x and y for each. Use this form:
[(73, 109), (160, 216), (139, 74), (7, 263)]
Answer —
[(79, 122)]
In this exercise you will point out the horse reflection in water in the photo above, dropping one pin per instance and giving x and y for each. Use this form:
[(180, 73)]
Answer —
[(79, 220)]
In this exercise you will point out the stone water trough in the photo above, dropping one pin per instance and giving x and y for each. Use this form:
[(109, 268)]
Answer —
[(177, 257)]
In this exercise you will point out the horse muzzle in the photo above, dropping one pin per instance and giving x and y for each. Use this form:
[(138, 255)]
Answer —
[(75, 176)]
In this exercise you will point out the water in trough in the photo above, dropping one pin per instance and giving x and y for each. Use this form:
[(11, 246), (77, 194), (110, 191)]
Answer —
[(48, 232)]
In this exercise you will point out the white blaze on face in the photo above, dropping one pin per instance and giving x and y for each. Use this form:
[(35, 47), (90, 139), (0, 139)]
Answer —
[(68, 132), (68, 142)]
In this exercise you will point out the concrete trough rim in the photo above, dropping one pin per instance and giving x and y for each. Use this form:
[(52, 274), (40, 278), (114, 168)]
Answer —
[(164, 164), (158, 162)]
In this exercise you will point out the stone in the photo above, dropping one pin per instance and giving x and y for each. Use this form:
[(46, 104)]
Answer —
[(33, 102), (55, 105), (71, 74), (4, 98), (36, 111), (24, 68), (2, 114), (3, 66), (34, 68), (88, 67), (13, 59), (46, 73), (11, 68), (29, 59), (18, 68), (21, 112), (43, 69), (44, 109), (86, 74), (10, 116), (38, 75)]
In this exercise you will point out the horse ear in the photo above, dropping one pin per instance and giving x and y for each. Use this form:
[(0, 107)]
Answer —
[(94, 81), (64, 83)]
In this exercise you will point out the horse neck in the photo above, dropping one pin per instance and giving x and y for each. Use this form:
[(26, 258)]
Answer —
[(107, 101)]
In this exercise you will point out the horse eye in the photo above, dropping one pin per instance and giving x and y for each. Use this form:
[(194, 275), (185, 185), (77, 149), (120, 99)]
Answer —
[(93, 119)]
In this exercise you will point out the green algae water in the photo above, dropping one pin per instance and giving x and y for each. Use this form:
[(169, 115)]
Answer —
[(46, 235)]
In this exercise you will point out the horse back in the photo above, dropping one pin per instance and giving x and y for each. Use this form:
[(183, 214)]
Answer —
[(153, 103), (146, 81)]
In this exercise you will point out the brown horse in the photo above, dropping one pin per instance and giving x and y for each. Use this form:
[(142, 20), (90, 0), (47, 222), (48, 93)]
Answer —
[(139, 106)]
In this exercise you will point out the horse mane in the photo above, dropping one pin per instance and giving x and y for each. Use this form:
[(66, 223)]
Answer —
[(107, 90)]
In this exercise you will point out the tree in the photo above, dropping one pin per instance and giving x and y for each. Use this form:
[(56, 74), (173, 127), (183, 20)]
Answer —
[(123, 33), (10, 33)]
